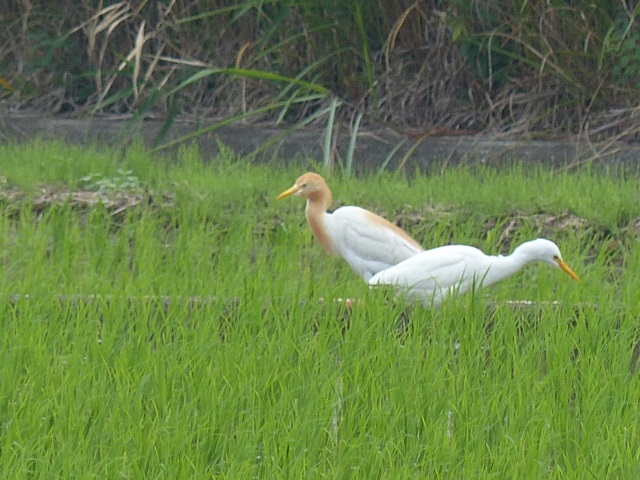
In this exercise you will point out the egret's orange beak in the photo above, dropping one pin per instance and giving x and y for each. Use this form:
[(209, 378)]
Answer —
[(566, 268), (288, 192)]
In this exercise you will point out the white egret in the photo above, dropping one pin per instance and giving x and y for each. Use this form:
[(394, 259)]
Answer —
[(368, 242), (433, 274)]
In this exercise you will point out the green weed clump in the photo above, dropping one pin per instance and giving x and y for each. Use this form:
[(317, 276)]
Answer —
[(193, 332)]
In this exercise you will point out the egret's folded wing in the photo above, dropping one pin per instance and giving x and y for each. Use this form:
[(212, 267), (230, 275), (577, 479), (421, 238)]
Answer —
[(442, 267), (372, 241)]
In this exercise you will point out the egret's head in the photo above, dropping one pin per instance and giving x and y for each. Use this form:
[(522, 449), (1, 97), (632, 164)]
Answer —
[(306, 186), (545, 250)]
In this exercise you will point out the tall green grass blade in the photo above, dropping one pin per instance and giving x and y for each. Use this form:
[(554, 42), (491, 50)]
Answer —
[(352, 145), (317, 115), (327, 144), (208, 14), (366, 54), (390, 156), (249, 73)]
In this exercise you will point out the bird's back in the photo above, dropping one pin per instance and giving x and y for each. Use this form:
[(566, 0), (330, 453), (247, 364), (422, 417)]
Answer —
[(368, 242), (431, 275)]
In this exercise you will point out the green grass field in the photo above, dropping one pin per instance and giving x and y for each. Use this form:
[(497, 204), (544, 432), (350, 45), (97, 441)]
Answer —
[(183, 336)]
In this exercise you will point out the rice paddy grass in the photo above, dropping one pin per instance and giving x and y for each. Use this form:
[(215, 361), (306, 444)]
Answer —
[(193, 333)]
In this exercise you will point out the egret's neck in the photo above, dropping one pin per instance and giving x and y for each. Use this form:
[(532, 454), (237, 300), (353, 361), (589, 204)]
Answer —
[(503, 267), (317, 217)]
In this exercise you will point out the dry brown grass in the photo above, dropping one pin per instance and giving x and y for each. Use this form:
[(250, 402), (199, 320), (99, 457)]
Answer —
[(423, 66)]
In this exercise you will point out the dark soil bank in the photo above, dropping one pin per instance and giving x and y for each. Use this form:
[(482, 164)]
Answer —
[(373, 148)]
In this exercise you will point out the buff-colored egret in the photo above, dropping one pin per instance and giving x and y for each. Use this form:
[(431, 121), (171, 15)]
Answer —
[(368, 242), (430, 276)]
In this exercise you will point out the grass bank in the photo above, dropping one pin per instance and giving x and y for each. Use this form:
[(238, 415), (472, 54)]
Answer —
[(205, 352)]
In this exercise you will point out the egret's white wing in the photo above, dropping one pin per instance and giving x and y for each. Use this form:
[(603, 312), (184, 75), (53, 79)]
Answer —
[(432, 274), (368, 242)]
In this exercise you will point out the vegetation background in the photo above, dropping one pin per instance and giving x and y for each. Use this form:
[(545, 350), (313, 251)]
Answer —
[(104, 379), (421, 67)]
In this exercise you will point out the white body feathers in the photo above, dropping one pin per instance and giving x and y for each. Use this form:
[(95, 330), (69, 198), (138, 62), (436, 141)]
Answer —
[(367, 242), (430, 276)]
